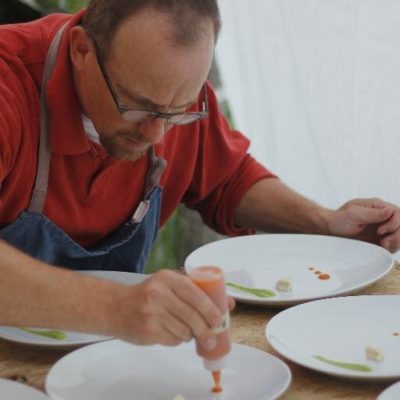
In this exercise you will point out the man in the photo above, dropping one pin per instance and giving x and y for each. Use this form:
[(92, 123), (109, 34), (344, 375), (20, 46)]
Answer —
[(91, 106)]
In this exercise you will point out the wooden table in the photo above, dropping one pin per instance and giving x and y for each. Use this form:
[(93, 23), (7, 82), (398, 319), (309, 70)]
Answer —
[(30, 365)]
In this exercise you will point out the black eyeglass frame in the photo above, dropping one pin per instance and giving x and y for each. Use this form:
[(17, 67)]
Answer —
[(171, 118)]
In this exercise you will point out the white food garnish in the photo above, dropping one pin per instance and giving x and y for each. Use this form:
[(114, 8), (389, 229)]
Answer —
[(374, 353), (284, 285)]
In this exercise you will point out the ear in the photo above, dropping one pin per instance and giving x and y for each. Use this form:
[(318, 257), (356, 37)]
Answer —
[(81, 48)]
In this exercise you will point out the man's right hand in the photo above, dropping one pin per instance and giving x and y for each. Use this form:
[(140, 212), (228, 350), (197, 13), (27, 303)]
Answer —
[(167, 308)]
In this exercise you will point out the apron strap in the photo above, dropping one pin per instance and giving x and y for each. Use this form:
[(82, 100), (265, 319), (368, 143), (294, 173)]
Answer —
[(157, 164), (156, 168), (42, 177)]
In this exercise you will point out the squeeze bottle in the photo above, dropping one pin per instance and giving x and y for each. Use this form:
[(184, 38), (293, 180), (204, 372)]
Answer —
[(211, 280)]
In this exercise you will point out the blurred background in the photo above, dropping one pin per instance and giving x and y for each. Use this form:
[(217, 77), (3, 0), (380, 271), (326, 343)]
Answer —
[(314, 84)]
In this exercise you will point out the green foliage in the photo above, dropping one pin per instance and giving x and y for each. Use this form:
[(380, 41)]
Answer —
[(165, 250), (71, 6), (76, 5)]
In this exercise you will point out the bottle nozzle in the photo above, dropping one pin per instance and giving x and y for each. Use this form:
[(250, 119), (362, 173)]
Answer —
[(215, 365)]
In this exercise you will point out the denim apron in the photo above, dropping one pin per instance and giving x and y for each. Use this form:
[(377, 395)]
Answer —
[(126, 249)]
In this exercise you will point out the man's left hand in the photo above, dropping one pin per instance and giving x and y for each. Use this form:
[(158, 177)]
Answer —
[(372, 220)]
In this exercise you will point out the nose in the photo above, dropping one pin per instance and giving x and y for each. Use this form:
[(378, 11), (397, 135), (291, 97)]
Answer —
[(153, 130)]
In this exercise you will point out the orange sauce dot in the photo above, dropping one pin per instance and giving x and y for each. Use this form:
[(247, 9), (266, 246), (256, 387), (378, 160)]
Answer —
[(216, 389), (217, 382), (324, 277), (317, 272)]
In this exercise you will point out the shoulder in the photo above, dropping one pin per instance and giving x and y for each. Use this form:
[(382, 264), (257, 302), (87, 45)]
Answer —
[(29, 42)]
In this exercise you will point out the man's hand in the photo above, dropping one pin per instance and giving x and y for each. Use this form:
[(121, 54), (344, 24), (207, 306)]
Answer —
[(167, 308), (371, 220)]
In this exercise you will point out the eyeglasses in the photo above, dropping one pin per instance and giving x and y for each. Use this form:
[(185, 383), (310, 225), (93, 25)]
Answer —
[(136, 115)]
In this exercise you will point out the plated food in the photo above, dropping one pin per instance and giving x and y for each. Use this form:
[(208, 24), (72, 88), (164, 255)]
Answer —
[(123, 371), (351, 337), (284, 284), (283, 270), (374, 353)]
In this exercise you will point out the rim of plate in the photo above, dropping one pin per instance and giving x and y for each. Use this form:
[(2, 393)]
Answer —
[(285, 368), (296, 301), (393, 389), (356, 376), (24, 387), (87, 339)]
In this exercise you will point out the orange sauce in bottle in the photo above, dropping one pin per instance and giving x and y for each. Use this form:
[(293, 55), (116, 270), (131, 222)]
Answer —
[(211, 280), (217, 382)]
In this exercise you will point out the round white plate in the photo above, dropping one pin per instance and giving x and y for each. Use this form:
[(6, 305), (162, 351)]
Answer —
[(391, 393), (72, 338), (339, 329), (119, 370), (259, 261), (10, 390), (127, 278)]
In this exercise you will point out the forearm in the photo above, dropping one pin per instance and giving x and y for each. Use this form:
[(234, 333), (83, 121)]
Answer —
[(35, 294), (167, 308), (272, 206)]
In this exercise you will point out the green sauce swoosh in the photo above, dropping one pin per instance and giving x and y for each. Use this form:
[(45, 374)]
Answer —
[(255, 292), (57, 335), (352, 366)]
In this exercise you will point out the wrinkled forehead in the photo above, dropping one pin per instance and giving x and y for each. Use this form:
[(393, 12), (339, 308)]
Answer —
[(145, 54)]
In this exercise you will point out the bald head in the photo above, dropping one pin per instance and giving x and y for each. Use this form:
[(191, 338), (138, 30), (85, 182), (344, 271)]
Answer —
[(189, 19)]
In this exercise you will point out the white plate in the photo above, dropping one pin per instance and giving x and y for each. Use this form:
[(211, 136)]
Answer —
[(121, 371), (339, 329), (10, 390), (391, 393), (72, 338), (127, 278), (259, 261)]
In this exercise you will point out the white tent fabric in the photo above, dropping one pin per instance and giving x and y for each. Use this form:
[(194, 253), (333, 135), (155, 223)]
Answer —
[(315, 84)]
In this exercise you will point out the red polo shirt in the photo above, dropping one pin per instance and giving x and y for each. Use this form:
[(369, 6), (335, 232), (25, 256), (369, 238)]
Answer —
[(89, 193)]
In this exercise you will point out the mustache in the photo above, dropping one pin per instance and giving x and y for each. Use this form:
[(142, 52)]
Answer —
[(136, 136)]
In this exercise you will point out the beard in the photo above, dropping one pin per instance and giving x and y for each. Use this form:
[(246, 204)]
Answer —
[(125, 146)]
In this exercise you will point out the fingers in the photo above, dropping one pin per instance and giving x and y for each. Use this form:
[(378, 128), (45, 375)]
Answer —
[(176, 332), (373, 202), (196, 309), (168, 308), (156, 333), (391, 242), (192, 295), (391, 225), (371, 220), (373, 210), (365, 216), (231, 303), (194, 314), (389, 229)]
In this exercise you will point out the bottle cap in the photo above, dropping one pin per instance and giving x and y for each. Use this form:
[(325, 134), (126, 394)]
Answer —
[(215, 365)]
